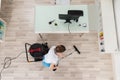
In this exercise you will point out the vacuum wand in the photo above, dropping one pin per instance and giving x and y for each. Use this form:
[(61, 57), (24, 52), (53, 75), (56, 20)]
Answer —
[(60, 60), (76, 49)]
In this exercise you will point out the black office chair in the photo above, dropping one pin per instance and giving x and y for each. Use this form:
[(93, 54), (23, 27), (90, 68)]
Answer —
[(76, 13)]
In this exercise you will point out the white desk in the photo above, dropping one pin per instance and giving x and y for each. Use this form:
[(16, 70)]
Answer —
[(45, 14)]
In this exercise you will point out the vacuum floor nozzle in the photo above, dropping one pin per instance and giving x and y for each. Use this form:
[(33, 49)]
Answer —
[(76, 49)]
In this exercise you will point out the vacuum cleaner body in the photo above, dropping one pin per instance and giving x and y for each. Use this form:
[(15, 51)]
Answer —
[(36, 50)]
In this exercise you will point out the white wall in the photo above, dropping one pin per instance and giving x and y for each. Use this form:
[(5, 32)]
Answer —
[(116, 65), (116, 56), (117, 16)]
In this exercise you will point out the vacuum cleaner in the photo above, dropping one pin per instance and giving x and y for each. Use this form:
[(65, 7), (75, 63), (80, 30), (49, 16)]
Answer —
[(36, 50), (75, 50)]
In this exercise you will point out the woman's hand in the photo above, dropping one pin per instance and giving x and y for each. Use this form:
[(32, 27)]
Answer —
[(53, 67)]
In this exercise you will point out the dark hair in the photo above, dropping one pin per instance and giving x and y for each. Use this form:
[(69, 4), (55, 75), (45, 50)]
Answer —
[(60, 48)]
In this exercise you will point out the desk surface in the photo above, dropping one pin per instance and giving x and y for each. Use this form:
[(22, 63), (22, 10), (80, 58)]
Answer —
[(45, 14)]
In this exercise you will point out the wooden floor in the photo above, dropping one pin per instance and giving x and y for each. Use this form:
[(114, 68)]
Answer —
[(89, 65)]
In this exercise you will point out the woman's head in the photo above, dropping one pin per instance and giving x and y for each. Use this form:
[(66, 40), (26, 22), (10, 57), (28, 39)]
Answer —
[(59, 50)]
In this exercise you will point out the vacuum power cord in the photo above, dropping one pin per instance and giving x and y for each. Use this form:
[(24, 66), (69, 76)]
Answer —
[(69, 27), (7, 63)]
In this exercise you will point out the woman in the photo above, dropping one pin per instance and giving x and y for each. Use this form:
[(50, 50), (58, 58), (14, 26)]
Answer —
[(51, 58)]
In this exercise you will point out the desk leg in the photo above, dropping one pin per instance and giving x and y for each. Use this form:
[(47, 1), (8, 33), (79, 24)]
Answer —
[(41, 37), (81, 34)]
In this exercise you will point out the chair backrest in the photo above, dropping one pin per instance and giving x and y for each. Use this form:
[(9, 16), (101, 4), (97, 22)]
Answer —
[(75, 12)]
